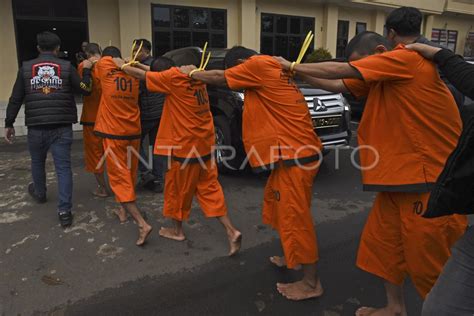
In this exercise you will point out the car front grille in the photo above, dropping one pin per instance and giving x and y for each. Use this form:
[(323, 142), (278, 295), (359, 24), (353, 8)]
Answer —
[(329, 101)]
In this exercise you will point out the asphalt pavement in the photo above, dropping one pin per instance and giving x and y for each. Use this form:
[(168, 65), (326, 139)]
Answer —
[(94, 268)]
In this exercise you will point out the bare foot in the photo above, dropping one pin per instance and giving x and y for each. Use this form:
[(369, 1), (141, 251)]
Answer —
[(235, 242), (100, 192), (171, 233), (144, 232), (280, 262), (300, 290), (121, 214), (386, 311)]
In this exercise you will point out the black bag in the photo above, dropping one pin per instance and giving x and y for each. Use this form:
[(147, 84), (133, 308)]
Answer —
[(454, 189)]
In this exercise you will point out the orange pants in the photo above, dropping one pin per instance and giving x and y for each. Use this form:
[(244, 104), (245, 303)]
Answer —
[(397, 241), (287, 208), (93, 150), (184, 181), (122, 167)]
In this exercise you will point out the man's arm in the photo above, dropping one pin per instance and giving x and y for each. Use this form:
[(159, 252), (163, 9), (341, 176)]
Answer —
[(212, 77), (14, 105), (84, 85), (134, 71), (142, 67), (323, 70), (336, 86), (459, 72)]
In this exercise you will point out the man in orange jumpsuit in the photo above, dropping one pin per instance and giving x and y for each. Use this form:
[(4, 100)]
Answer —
[(118, 123), (93, 148), (410, 126), (186, 138), (278, 135)]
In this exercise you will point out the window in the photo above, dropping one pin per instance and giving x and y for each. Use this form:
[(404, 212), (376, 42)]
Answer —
[(447, 38), (51, 8), (342, 38), (469, 47), (68, 19), (177, 27), (283, 35), (361, 27)]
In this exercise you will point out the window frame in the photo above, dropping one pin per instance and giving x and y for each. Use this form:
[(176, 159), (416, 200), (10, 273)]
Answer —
[(447, 34), (50, 17), (51, 14), (340, 47), (190, 29), (288, 34), (357, 27)]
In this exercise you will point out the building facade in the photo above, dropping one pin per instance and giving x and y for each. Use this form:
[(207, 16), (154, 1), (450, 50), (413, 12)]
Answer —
[(270, 26)]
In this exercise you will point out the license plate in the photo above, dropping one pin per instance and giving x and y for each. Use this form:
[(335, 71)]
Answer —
[(326, 121)]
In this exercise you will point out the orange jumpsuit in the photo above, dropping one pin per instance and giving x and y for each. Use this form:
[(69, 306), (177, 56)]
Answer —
[(278, 133), (186, 136), (93, 147), (118, 123), (411, 124)]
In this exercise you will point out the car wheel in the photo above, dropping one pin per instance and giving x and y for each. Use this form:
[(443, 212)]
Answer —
[(223, 138)]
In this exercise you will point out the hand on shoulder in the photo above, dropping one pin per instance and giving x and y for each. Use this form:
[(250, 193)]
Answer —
[(426, 51)]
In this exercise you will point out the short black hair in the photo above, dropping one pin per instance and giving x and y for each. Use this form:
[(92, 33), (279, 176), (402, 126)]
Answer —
[(232, 57), (365, 43), (48, 41), (146, 44), (112, 51), (93, 49), (162, 63), (406, 21)]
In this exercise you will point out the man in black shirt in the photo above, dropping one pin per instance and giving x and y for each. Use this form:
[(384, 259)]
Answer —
[(46, 85), (151, 106)]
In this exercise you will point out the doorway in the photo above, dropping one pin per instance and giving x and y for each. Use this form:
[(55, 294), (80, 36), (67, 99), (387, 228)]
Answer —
[(68, 19)]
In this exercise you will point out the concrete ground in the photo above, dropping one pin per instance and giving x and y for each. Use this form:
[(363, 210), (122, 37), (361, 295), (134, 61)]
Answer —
[(94, 268)]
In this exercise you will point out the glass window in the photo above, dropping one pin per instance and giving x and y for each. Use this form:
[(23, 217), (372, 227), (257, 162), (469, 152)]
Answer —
[(162, 42), (281, 24), (452, 40), (200, 19), (32, 8), (200, 38), (218, 41), (181, 18), (294, 47), (295, 26), (342, 38), (177, 27), (308, 25), (267, 23), (446, 38), (361, 27), (266, 45), (218, 20), (469, 47), (181, 39), (72, 9), (161, 17), (286, 38), (281, 45)]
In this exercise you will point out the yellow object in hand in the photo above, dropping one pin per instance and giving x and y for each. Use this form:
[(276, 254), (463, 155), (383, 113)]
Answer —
[(204, 61), (133, 61), (304, 48), (203, 64)]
